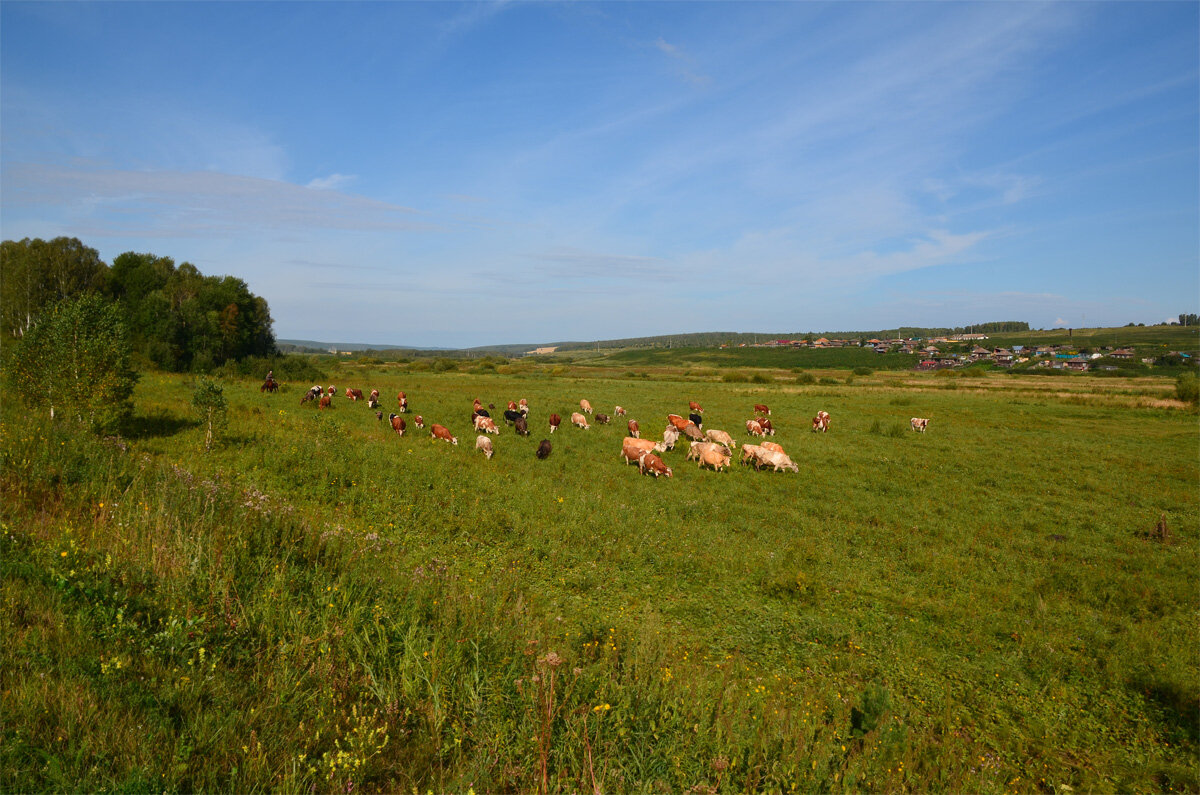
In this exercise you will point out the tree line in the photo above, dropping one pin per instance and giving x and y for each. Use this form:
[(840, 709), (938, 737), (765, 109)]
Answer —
[(176, 318)]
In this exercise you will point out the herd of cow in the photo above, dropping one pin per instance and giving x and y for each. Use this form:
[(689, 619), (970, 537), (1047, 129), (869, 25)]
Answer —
[(712, 448)]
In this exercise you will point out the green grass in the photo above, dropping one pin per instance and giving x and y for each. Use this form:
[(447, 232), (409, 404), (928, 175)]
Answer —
[(985, 607)]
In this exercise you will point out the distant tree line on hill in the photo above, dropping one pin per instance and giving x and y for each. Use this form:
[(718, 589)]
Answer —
[(176, 317)]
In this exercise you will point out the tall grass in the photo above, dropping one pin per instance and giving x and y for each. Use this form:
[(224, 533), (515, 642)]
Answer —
[(320, 603)]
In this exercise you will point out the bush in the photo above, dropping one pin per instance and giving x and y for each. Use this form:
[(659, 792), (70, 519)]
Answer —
[(762, 378), (805, 378), (975, 372), (735, 377), (827, 380), (862, 370), (208, 399), (1187, 388)]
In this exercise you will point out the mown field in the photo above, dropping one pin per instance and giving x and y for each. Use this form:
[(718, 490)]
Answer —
[(992, 606)]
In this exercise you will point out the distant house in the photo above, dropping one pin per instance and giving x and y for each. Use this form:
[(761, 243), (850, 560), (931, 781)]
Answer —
[(1122, 353), (880, 349), (548, 349), (1003, 357), (1079, 364), (927, 364), (967, 337)]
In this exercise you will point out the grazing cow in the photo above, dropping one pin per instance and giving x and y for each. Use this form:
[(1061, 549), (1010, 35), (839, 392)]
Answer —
[(779, 461), (677, 421), (633, 449), (918, 423), (752, 454), (602, 419), (619, 411), (760, 408), (766, 426), (373, 402), (476, 406), (543, 451), (332, 390), (375, 394), (634, 430), (670, 437), (772, 446), (554, 421), (442, 432), (823, 416), (696, 450), (354, 394), (398, 424), (379, 416), (720, 437), (715, 458), (585, 407), (485, 444), (691, 431), (694, 406), (522, 426), (696, 419), (523, 407), (486, 424), (402, 399), (654, 465), (579, 421), (820, 424), (754, 428), (512, 406), (419, 421), (311, 394), (479, 413), (326, 402)]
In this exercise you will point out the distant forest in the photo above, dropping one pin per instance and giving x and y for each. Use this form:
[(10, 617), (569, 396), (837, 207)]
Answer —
[(176, 317)]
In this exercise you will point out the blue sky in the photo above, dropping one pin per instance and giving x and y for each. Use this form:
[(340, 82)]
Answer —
[(450, 174)]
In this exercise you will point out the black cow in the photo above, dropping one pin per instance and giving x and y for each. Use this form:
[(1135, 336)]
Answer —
[(512, 415), (696, 418), (543, 450), (602, 419)]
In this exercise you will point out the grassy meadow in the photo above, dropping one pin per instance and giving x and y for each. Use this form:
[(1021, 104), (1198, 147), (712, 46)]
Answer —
[(318, 604)]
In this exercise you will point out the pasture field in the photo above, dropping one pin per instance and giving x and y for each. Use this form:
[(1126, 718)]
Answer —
[(992, 606)]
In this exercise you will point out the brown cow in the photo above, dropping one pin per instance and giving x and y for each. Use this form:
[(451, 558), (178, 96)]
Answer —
[(752, 454), (354, 394), (772, 446), (696, 449), (715, 458), (523, 406), (522, 426), (554, 422), (512, 405), (442, 432), (754, 428), (820, 424), (486, 424), (402, 399), (419, 421), (654, 465), (543, 451), (692, 432), (766, 426), (694, 406), (760, 408), (919, 423), (326, 402), (720, 437), (679, 422), (585, 407), (634, 430), (485, 444), (398, 424), (633, 449), (619, 411), (579, 420)]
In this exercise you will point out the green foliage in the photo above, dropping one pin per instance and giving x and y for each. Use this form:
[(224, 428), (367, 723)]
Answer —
[(208, 399), (75, 362), (36, 273), (1187, 388), (860, 370), (293, 368), (806, 378), (735, 377)]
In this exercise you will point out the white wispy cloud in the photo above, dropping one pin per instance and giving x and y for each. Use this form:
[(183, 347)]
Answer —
[(332, 182)]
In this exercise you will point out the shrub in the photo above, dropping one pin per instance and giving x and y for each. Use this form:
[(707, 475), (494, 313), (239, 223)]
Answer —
[(1187, 388), (945, 374), (805, 378), (827, 380), (975, 372), (442, 365), (863, 370), (735, 377), (208, 399), (762, 378)]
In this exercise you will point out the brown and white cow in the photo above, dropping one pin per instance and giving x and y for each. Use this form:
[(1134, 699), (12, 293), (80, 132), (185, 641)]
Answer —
[(373, 399), (634, 430), (555, 420), (402, 399), (442, 432), (579, 421), (419, 421), (654, 465), (761, 408), (485, 444), (619, 411), (512, 405), (754, 428), (486, 424), (332, 390), (820, 424), (585, 407), (752, 454), (692, 432), (633, 449), (602, 419), (679, 422), (697, 449), (354, 394), (772, 446), (720, 437), (398, 424), (670, 437), (326, 402), (694, 406), (766, 426), (918, 423), (523, 406)]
